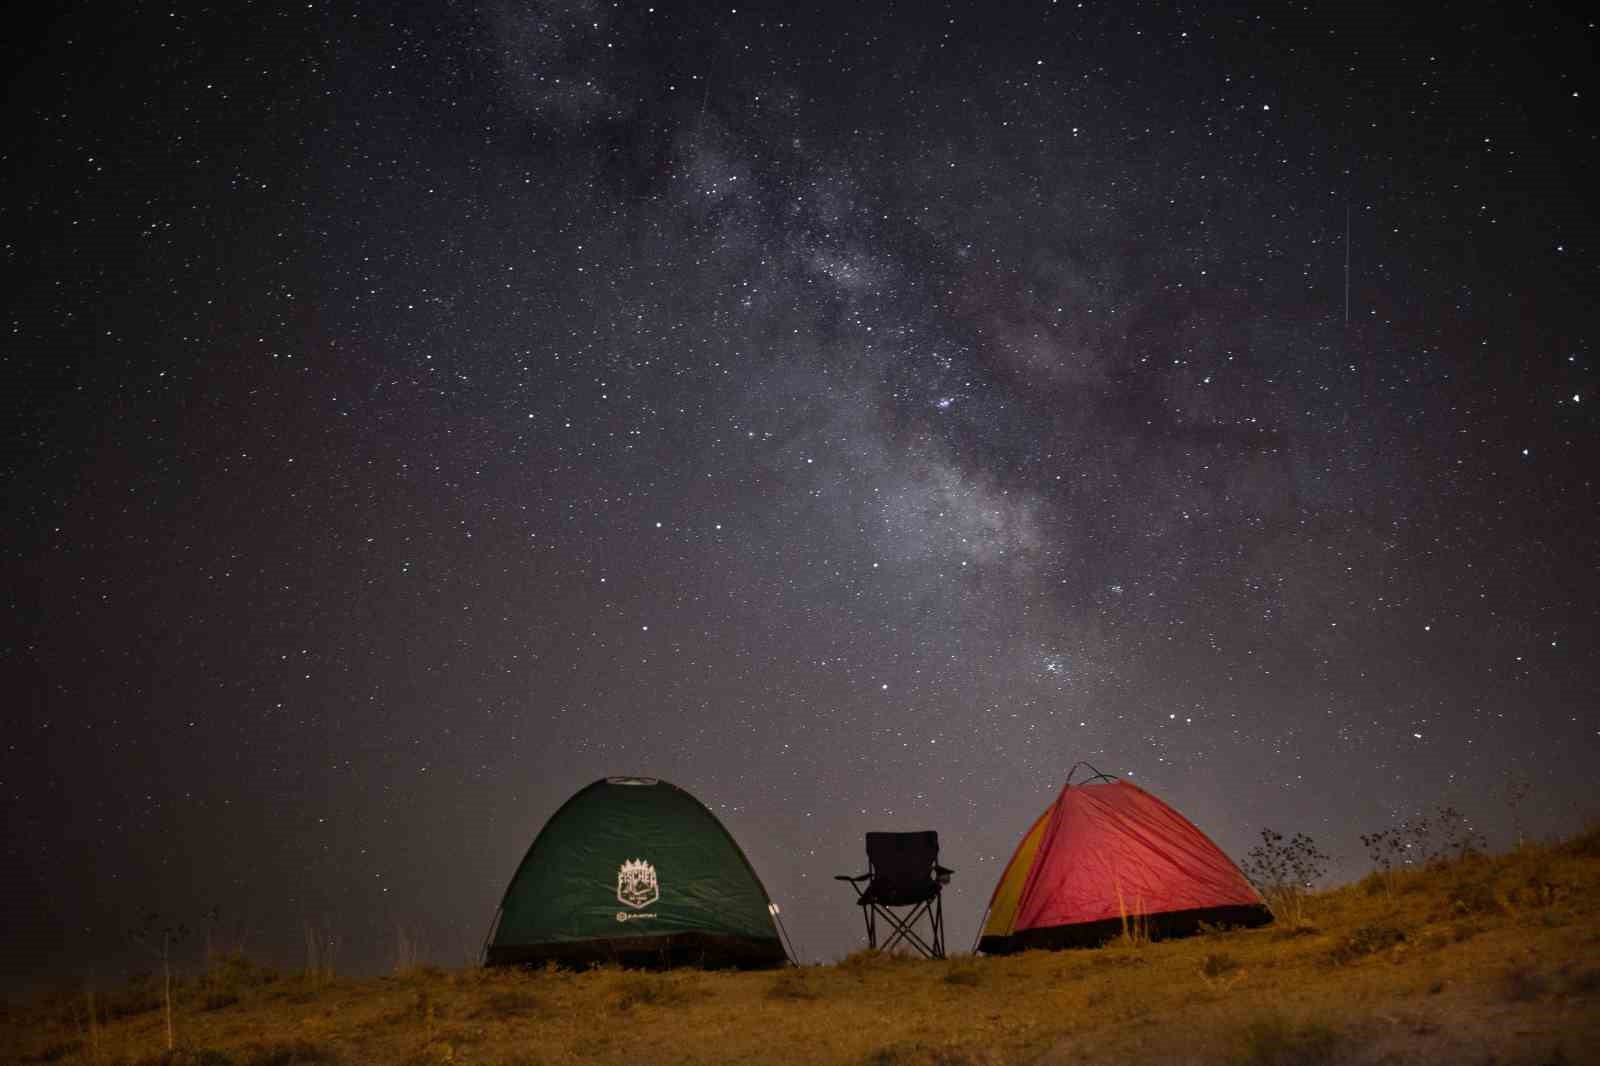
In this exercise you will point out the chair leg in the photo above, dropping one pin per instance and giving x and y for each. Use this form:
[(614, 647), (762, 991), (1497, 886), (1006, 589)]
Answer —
[(905, 929)]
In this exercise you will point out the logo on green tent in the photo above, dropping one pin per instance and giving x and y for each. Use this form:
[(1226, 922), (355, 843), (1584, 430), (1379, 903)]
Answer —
[(636, 884)]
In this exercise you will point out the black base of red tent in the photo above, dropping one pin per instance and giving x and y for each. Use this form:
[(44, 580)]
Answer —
[(1093, 934), (703, 950)]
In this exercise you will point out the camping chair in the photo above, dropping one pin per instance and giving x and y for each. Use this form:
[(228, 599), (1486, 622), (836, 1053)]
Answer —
[(904, 884)]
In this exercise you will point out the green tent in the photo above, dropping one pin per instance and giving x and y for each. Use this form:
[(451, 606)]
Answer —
[(637, 871)]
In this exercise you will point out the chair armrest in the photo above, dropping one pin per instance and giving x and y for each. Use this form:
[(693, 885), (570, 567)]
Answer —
[(942, 873), (852, 880)]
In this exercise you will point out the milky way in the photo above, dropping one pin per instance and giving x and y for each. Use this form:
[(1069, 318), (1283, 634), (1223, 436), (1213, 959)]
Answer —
[(853, 415)]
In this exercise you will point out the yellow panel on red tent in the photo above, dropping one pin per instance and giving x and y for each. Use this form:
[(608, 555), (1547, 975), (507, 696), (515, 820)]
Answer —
[(1008, 893)]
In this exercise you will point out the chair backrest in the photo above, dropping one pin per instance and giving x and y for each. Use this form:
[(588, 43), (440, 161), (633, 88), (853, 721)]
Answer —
[(902, 864)]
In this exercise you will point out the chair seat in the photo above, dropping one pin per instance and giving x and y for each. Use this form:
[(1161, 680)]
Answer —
[(900, 895)]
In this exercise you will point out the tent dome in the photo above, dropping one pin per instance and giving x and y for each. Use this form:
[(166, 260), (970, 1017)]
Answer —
[(1105, 850), (637, 871)]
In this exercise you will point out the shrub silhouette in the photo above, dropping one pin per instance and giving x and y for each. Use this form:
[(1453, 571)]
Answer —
[(1284, 871)]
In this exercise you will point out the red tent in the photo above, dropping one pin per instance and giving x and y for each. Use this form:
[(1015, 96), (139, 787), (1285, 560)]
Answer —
[(1104, 851)]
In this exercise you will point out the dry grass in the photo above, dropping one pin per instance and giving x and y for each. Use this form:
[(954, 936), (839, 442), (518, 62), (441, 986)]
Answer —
[(1487, 958)]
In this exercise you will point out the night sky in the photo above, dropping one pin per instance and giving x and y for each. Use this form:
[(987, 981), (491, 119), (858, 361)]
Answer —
[(855, 414)]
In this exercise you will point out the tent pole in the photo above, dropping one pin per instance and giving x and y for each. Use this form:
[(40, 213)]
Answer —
[(1098, 775), (777, 915), (494, 923), (981, 923)]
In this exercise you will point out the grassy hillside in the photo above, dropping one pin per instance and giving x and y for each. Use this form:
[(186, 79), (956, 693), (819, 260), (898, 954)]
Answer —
[(1486, 959)]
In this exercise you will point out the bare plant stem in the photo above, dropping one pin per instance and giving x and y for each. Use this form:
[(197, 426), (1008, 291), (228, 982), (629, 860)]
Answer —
[(166, 970)]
